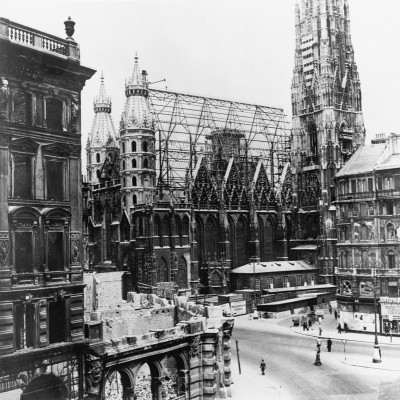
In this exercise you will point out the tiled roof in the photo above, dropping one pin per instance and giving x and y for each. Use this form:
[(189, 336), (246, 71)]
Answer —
[(363, 160), (264, 267), (390, 163)]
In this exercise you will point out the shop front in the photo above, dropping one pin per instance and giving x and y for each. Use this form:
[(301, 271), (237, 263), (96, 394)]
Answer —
[(390, 310)]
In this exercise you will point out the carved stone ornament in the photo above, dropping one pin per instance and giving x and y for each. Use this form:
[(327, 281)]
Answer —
[(75, 252), (93, 374), (194, 347), (69, 27), (3, 253)]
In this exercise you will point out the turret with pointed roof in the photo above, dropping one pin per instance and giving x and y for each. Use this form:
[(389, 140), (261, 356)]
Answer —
[(137, 145), (102, 141)]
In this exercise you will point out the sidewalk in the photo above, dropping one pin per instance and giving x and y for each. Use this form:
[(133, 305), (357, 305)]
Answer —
[(329, 330)]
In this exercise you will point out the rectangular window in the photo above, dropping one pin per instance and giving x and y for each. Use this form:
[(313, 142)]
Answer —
[(391, 261), (392, 289), (25, 326), (286, 281), (257, 285), (54, 112), (380, 183), (353, 186), (23, 252), (389, 208), (39, 111), (363, 209), (384, 288), (55, 251), (370, 185), (57, 321), (23, 176), (55, 180), (271, 283), (397, 182), (298, 280)]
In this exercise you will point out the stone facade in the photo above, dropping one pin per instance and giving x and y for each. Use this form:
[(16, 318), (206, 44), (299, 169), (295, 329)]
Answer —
[(368, 248), (41, 287), (141, 350), (327, 124)]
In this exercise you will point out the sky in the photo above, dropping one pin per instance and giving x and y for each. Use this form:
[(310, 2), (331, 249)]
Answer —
[(239, 50)]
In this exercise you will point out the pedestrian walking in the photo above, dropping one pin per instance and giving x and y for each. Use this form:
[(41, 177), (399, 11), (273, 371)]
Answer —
[(330, 309), (329, 345), (335, 314), (262, 367), (309, 323), (320, 330), (339, 329), (318, 357)]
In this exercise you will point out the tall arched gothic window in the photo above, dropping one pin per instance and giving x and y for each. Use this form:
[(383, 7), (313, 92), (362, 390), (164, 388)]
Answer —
[(182, 273), (211, 239)]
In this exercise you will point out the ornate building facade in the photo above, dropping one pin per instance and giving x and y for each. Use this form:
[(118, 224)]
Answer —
[(41, 286), (368, 221), (327, 124)]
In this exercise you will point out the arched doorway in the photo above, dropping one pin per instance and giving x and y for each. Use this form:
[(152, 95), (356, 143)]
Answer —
[(117, 386), (173, 384), (146, 387), (46, 387)]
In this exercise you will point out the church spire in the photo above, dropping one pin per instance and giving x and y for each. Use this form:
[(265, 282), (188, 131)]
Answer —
[(102, 103)]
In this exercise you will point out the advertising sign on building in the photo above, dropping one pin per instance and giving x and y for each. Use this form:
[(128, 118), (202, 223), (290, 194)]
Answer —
[(238, 307), (390, 306)]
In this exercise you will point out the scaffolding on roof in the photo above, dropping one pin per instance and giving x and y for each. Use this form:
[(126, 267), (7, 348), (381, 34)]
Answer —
[(184, 124)]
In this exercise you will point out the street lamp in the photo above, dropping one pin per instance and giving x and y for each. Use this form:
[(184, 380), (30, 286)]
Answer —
[(377, 351)]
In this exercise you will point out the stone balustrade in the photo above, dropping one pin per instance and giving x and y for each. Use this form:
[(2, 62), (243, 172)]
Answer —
[(25, 36)]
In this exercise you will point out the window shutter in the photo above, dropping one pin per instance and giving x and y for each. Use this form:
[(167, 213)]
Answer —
[(6, 328), (42, 319), (76, 313)]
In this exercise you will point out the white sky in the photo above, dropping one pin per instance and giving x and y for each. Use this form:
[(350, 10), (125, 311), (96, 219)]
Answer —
[(231, 49)]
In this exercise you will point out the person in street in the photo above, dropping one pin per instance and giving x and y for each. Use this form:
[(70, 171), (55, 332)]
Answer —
[(329, 345), (262, 367), (330, 309), (320, 330), (335, 314), (318, 357), (339, 328), (309, 323)]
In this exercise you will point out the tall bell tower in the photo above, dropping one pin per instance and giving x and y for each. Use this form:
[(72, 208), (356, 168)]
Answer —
[(327, 124), (138, 148)]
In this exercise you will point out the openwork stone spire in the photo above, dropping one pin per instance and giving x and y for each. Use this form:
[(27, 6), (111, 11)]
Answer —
[(103, 132), (136, 114)]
